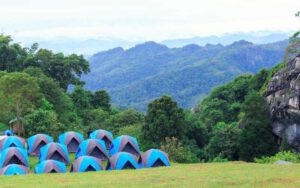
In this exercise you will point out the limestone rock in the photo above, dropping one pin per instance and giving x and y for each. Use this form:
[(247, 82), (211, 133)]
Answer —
[(283, 97)]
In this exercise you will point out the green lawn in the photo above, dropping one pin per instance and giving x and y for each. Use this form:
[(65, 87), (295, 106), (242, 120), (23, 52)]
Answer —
[(236, 174)]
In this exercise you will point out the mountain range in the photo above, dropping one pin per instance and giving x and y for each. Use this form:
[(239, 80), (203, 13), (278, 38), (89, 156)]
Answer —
[(135, 76), (90, 46)]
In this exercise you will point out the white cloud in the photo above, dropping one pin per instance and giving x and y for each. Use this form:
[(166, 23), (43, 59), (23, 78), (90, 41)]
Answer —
[(151, 19)]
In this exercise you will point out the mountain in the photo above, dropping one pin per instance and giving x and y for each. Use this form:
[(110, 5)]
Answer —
[(147, 71), (226, 39), (89, 46)]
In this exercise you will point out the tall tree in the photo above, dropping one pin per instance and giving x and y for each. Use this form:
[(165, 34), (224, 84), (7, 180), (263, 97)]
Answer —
[(256, 139), (163, 119), (101, 99), (65, 70), (12, 55), (19, 94)]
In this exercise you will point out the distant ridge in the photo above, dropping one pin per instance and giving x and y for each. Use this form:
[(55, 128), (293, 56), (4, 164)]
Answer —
[(135, 76)]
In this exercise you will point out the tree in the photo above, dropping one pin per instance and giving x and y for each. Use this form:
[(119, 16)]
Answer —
[(163, 119), (81, 98), (256, 139), (61, 101), (19, 94), (101, 99), (11, 55), (126, 118), (65, 70), (224, 142)]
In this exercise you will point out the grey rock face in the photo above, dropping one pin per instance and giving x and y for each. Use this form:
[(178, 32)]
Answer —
[(283, 96)]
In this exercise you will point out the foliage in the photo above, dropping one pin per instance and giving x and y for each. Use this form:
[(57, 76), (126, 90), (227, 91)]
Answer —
[(136, 76), (224, 142), (177, 152), (101, 99), (284, 156), (19, 95), (3, 127), (163, 119), (256, 139)]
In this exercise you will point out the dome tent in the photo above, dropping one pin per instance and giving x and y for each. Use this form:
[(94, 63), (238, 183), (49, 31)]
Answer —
[(35, 142), (54, 151), (125, 143), (8, 132), (121, 161), (104, 135), (86, 164), (14, 169), (154, 158), (50, 166), (12, 141), (71, 140), (13, 155), (92, 147)]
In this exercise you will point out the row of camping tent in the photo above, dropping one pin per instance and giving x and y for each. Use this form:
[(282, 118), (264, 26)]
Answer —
[(121, 153)]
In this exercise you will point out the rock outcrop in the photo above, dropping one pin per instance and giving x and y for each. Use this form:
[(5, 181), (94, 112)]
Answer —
[(283, 96)]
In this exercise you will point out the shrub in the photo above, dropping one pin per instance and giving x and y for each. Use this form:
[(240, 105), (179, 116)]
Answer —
[(284, 155), (219, 160), (177, 151)]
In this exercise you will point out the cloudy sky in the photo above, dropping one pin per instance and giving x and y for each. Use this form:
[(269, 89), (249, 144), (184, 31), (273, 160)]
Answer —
[(144, 19)]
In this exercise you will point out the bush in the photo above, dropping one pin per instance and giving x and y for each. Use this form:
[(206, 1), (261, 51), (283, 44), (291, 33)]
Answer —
[(284, 156), (178, 152), (219, 160), (3, 127)]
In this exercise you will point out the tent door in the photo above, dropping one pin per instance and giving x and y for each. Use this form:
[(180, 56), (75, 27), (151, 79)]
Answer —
[(158, 163), (130, 149), (90, 169), (128, 165)]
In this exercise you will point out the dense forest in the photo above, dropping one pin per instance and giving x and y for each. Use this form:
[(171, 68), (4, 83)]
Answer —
[(134, 77), (232, 123)]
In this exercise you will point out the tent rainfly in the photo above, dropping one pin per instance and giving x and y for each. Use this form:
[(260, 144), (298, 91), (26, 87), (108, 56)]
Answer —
[(35, 142), (121, 161), (13, 155), (50, 166), (125, 143), (71, 140), (54, 151), (86, 164), (14, 169), (12, 141), (154, 158), (104, 135), (92, 147)]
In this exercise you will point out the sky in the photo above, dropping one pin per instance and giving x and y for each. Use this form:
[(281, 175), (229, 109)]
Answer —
[(144, 19)]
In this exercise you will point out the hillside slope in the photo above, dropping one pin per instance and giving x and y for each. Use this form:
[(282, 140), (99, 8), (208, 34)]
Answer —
[(147, 71)]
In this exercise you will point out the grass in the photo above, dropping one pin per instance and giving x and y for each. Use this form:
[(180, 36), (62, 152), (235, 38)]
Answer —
[(236, 174)]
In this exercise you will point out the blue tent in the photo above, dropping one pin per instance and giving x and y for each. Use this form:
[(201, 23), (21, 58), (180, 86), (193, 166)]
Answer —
[(71, 140), (13, 155), (121, 161), (154, 158), (125, 143), (50, 166), (92, 147), (8, 132), (54, 151), (35, 142), (86, 164), (14, 169), (104, 135), (12, 141)]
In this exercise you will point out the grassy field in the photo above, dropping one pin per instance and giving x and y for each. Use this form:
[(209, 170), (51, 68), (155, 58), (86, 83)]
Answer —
[(236, 174)]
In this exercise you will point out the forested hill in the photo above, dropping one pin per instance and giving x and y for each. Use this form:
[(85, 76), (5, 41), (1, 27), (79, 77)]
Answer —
[(147, 71)]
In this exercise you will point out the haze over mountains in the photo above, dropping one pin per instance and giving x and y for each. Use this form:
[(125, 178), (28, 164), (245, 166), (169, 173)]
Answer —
[(90, 46), (135, 76)]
